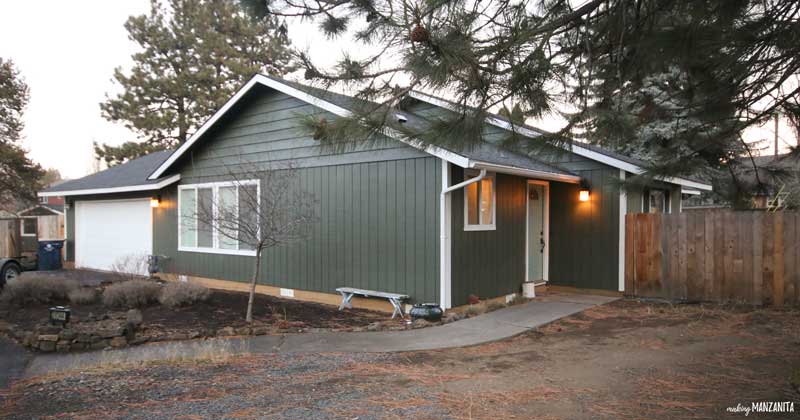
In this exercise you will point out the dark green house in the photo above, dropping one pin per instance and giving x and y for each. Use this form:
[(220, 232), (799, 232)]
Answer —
[(394, 215)]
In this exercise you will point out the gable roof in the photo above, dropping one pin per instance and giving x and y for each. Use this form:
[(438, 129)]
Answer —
[(484, 157), (589, 151), (42, 210), (129, 176)]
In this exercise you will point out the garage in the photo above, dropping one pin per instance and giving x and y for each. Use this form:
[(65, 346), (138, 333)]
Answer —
[(113, 234)]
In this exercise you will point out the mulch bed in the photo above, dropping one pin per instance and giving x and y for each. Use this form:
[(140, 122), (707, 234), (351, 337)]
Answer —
[(222, 315)]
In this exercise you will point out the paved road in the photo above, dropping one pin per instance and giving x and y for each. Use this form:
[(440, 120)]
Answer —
[(497, 325), (13, 360)]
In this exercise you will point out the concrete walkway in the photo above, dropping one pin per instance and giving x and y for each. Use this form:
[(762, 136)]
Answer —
[(493, 326)]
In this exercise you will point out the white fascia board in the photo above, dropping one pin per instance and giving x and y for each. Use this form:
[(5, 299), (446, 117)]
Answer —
[(131, 188), (528, 173), (689, 192), (303, 96), (575, 148)]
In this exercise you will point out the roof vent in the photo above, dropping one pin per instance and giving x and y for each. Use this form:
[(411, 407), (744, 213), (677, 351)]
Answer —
[(401, 118)]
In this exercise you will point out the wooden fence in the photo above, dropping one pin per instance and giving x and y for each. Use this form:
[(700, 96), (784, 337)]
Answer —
[(9, 238), (718, 256)]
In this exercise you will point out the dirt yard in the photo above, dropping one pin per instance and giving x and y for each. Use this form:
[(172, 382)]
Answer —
[(623, 360)]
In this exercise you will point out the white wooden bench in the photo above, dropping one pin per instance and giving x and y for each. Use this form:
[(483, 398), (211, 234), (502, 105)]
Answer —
[(395, 299)]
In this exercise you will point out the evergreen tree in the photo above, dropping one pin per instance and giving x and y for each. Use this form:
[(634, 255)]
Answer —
[(674, 82), (19, 176), (195, 54)]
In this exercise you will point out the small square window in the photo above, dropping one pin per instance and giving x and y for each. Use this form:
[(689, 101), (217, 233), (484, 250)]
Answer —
[(658, 201), (479, 203), (29, 226)]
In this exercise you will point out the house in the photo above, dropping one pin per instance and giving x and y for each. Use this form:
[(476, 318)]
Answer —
[(394, 215)]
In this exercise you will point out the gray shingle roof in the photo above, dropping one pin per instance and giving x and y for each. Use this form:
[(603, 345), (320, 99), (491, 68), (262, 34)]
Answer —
[(128, 174), (484, 152)]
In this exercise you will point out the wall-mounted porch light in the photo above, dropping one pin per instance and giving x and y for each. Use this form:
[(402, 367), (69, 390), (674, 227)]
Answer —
[(155, 201), (583, 195)]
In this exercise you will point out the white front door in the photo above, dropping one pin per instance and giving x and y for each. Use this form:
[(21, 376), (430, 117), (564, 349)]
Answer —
[(113, 235), (537, 232)]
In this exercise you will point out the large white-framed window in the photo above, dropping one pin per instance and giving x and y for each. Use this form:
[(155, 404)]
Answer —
[(480, 202), (200, 205), (29, 226)]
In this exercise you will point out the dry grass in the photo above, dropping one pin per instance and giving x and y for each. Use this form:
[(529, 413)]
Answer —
[(83, 296), (131, 294), (475, 309), (38, 289), (183, 294)]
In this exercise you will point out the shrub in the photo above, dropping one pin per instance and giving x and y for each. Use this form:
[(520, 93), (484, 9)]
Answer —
[(473, 310), (82, 296), (182, 294), (131, 294), (38, 289), (494, 305)]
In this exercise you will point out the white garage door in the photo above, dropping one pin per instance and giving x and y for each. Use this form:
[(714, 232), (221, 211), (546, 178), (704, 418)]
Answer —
[(113, 235)]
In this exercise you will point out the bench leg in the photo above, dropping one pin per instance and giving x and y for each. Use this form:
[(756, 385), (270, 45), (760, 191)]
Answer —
[(398, 308), (346, 301)]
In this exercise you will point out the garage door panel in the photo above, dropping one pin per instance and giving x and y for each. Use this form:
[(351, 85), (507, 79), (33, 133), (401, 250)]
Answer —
[(113, 235)]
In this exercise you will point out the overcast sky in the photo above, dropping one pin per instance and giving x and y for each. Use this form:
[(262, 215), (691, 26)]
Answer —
[(67, 51)]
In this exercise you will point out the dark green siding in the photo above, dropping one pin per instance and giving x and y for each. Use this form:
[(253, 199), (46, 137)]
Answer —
[(584, 236), (489, 263), (378, 229)]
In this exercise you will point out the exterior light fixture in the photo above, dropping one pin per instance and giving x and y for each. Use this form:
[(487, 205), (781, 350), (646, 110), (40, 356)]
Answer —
[(583, 195), (59, 315), (155, 201)]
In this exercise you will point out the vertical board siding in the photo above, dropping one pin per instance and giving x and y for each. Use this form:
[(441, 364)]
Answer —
[(584, 236), (376, 229), (717, 256), (489, 263)]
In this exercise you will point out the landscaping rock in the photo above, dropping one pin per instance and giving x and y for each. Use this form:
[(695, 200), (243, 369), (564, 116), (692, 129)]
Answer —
[(48, 337), (420, 323), (47, 346), (118, 342), (99, 345), (227, 331), (63, 346), (134, 318), (375, 326), (48, 329), (67, 334), (78, 346), (260, 330), (243, 331), (453, 317), (195, 334), (84, 338)]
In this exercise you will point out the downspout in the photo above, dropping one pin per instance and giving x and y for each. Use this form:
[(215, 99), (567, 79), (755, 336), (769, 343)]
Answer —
[(445, 298)]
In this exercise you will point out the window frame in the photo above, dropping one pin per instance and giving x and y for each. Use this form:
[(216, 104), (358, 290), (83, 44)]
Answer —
[(666, 196), (22, 227), (215, 241), (469, 174)]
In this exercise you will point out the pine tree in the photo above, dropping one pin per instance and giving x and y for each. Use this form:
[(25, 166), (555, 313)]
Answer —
[(674, 82), (19, 176), (195, 54)]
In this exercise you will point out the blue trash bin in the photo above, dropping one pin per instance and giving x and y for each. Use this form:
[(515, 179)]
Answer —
[(49, 255)]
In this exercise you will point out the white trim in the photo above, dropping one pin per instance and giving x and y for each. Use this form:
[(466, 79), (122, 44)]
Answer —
[(66, 230), (575, 148), (56, 212), (215, 240), (545, 228), (690, 192), (623, 209), (436, 151), (445, 242), (143, 187), (528, 173), (480, 226)]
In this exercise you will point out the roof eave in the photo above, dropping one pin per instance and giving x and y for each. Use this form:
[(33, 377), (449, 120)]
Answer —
[(575, 148), (528, 173), (114, 190)]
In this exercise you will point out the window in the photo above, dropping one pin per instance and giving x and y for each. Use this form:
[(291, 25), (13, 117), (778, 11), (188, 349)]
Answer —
[(29, 225), (201, 205), (479, 203), (43, 200), (658, 201)]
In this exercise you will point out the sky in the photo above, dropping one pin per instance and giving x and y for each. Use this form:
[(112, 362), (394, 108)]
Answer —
[(67, 52)]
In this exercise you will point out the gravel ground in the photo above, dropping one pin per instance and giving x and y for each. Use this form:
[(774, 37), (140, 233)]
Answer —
[(623, 360)]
